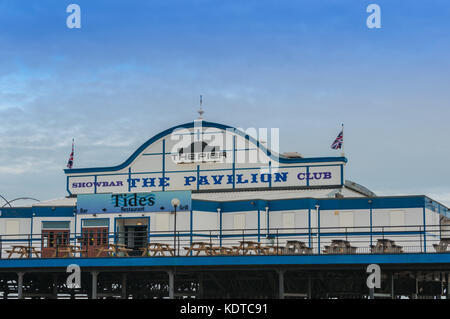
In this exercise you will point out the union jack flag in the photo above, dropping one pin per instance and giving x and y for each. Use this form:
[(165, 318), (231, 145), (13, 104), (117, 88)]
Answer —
[(70, 162), (337, 144)]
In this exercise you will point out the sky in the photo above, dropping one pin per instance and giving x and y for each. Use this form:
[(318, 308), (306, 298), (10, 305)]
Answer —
[(135, 68)]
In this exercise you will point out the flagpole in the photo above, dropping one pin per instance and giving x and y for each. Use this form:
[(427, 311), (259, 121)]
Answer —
[(343, 144)]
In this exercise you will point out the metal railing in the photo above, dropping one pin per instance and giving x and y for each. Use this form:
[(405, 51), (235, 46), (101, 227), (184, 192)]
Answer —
[(228, 242)]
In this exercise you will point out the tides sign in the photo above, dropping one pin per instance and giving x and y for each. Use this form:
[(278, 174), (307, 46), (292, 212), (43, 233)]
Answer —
[(132, 202)]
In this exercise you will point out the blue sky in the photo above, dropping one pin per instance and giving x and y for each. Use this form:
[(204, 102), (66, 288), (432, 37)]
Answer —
[(138, 67)]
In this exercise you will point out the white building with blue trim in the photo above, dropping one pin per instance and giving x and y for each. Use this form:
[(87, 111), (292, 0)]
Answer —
[(230, 187)]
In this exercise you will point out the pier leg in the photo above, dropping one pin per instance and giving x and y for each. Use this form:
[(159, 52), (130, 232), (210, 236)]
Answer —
[(448, 286), (417, 287), (124, 286), (200, 288), (55, 286), (309, 292), (281, 284), (94, 284), (171, 284), (20, 285), (392, 286), (371, 293)]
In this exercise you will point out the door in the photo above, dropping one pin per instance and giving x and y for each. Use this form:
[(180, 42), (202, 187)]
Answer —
[(94, 238), (51, 240), (136, 238)]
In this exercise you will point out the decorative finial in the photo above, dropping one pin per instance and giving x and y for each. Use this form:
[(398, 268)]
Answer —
[(200, 111)]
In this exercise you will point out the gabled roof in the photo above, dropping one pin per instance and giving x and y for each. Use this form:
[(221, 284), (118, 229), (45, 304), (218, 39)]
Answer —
[(278, 157)]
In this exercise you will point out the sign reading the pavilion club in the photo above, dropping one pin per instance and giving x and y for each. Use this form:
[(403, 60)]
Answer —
[(132, 202), (222, 159)]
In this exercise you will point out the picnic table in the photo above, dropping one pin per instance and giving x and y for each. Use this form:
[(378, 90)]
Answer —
[(68, 250), (222, 251), (23, 250), (198, 247), (157, 248), (385, 245), (442, 246), (272, 250), (251, 246), (114, 250), (296, 247), (339, 246)]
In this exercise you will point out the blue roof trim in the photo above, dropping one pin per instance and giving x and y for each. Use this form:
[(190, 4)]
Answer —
[(37, 211), (204, 124), (19, 212), (54, 211), (310, 203)]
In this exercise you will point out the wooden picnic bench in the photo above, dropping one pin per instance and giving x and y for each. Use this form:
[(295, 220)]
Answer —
[(157, 248), (384, 246), (272, 250), (23, 250), (296, 247), (442, 246), (247, 246), (222, 251), (68, 251), (114, 250), (198, 247), (339, 246)]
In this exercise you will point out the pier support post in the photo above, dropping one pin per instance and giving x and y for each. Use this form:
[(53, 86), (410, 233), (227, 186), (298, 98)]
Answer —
[(171, 284), (392, 286), (20, 285), (124, 286), (281, 284), (200, 287), (94, 284), (309, 292), (448, 286), (55, 286)]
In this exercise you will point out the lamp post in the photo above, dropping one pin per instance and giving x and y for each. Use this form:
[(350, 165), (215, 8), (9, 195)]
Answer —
[(175, 203)]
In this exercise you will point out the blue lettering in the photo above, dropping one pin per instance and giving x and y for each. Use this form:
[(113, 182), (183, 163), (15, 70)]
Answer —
[(148, 182), (131, 182), (317, 176), (188, 180), (239, 179), (280, 177), (164, 181), (217, 179), (203, 180), (265, 178)]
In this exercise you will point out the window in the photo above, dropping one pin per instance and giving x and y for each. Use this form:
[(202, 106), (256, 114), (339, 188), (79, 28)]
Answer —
[(55, 225), (101, 222)]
